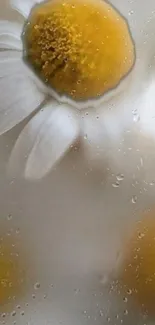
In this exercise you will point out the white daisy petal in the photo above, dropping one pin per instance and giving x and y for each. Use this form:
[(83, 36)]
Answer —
[(12, 67), (98, 136), (104, 127), (147, 111), (19, 97), (6, 56), (25, 142), (11, 28), (11, 63), (44, 140), (23, 6), (7, 42), (10, 35)]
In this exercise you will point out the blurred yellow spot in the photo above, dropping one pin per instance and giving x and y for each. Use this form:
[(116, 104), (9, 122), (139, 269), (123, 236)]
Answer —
[(138, 274), (81, 48), (12, 275)]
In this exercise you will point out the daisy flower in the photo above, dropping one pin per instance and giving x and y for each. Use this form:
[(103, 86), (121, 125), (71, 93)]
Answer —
[(75, 69)]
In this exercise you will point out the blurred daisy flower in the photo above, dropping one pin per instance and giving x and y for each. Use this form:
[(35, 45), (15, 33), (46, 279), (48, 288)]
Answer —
[(137, 267), (73, 68)]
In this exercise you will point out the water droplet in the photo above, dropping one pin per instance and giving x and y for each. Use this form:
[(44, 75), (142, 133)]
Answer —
[(116, 184), (37, 286), (101, 313), (18, 306), (10, 283), (120, 177), (108, 319), (129, 291), (85, 137), (130, 12), (76, 291), (125, 299), (134, 111), (17, 231), (152, 183), (134, 199), (22, 313), (85, 312), (33, 296), (141, 162), (125, 312), (3, 315), (13, 313), (141, 235), (9, 217), (136, 118)]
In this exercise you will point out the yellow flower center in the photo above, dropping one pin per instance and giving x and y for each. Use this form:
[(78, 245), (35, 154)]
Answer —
[(81, 48), (138, 274)]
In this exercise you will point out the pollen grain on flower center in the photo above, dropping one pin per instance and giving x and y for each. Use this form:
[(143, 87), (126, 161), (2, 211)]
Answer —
[(80, 48)]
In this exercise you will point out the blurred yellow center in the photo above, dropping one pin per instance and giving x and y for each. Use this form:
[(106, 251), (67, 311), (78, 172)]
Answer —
[(139, 264), (12, 274), (81, 48)]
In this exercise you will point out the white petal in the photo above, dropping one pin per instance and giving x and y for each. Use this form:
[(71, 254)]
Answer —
[(7, 42), (103, 128), (11, 63), (19, 97), (23, 6), (44, 140), (12, 66), (99, 136), (147, 111), (10, 35), (6, 56)]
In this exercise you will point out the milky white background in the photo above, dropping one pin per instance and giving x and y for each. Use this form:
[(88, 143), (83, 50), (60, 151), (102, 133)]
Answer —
[(73, 224)]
